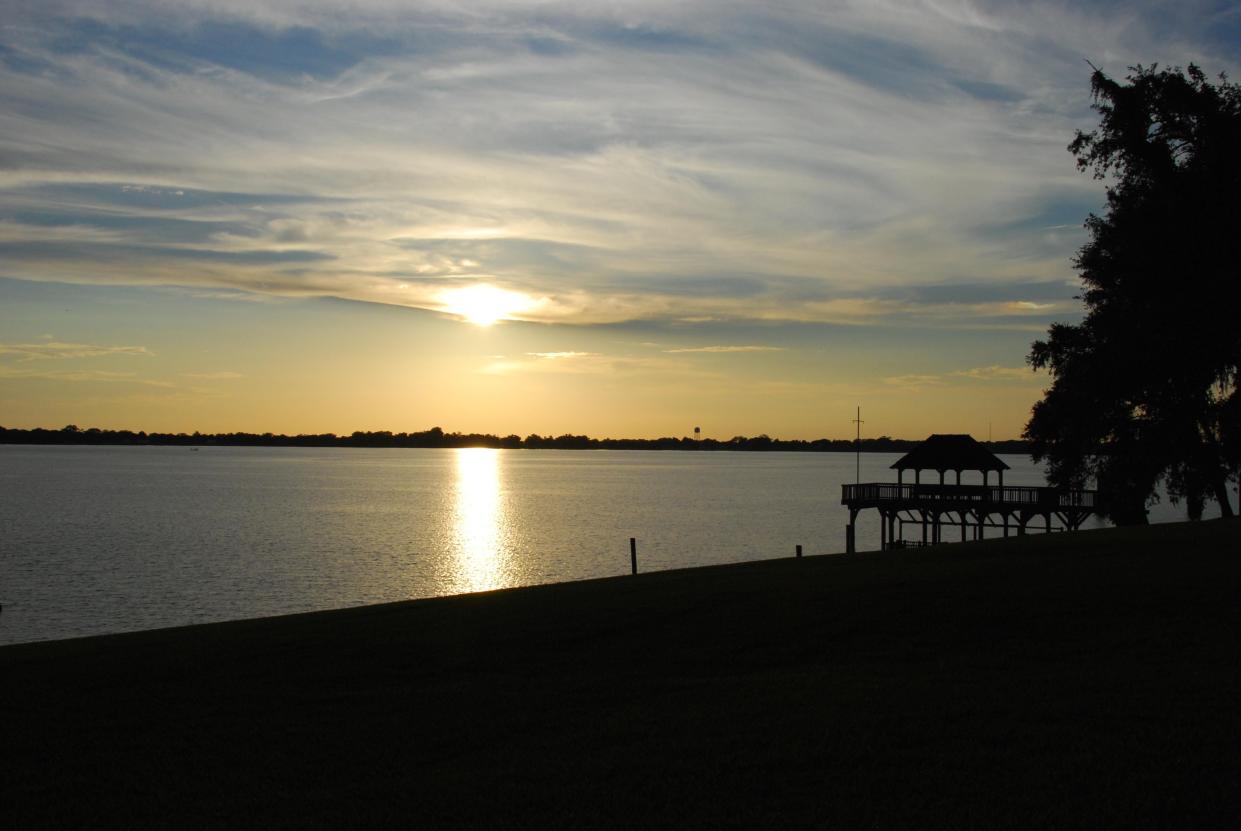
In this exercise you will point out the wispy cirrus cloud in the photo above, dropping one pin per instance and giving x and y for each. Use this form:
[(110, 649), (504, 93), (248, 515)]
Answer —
[(1023, 374), (594, 363), (724, 349), (561, 356), (222, 375), (1020, 375), (690, 161), (913, 381), (81, 375), (52, 349)]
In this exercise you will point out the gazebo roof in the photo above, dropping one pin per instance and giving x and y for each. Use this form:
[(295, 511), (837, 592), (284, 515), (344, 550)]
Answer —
[(945, 451)]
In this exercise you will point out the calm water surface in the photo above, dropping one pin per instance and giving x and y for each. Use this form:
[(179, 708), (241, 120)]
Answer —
[(112, 539)]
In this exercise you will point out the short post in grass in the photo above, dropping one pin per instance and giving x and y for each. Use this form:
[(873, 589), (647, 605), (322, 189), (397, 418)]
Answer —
[(633, 554), (799, 549)]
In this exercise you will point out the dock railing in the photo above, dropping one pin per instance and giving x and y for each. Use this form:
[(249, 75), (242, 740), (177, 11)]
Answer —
[(873, 493)]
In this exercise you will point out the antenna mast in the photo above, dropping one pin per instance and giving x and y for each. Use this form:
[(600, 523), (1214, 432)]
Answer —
[(857, 446)]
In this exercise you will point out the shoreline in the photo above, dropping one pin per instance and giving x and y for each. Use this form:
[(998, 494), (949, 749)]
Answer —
[(436, 438), (1072, 679)]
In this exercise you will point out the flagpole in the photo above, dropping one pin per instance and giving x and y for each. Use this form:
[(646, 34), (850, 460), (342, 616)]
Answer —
[(857, 446)]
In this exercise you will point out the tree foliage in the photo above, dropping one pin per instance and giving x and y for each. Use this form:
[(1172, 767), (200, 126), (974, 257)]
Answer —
[(1145, 387)]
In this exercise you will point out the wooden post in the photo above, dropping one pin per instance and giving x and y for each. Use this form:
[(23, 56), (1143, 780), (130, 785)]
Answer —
[(633, 554), (799, 550)]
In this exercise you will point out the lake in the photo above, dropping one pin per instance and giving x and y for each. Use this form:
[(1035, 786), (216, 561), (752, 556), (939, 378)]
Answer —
[(111, 539)]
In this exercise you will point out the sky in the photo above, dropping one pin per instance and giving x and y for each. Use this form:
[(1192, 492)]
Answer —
[(618, 219)]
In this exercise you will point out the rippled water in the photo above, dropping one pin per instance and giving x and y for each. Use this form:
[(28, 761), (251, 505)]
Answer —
[(110, 539)]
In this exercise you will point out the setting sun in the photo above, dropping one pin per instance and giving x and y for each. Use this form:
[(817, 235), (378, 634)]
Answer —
[(483, 305)]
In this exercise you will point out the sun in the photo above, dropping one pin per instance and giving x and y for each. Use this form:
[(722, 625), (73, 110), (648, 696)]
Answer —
[(482, 304)]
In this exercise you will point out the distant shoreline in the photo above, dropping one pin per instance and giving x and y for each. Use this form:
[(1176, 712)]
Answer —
[(437, 438)]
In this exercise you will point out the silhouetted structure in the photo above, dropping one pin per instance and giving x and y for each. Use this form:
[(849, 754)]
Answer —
[(972, 507)]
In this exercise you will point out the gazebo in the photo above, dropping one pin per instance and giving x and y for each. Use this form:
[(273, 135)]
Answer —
[(973, 507), (943, 452)]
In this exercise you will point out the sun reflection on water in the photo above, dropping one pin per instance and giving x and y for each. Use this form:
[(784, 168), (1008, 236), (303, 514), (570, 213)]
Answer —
[(479, 519)]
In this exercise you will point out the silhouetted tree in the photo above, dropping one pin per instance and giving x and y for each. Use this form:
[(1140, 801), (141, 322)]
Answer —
[(1145, 387)]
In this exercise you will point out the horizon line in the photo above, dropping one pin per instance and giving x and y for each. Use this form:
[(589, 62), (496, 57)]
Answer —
[(438, 435)]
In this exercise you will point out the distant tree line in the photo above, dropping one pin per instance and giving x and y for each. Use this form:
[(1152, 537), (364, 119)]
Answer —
[(435, 437)]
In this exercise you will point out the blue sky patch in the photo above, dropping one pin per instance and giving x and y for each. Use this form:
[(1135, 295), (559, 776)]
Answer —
[(276, 53)]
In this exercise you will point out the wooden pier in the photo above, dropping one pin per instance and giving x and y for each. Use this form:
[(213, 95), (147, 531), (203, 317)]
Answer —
[(972, 508)]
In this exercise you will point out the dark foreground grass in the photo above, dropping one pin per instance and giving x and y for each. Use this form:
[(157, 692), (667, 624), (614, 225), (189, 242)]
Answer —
[(1079, 680)]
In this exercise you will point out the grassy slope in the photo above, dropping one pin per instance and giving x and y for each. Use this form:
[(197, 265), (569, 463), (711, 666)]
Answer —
[(1069, 680)]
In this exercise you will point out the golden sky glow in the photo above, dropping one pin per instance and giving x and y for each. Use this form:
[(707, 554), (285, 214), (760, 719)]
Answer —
[(623, 219)]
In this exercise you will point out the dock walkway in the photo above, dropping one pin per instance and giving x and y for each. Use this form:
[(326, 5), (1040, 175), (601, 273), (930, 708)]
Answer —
[(973, 508)]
